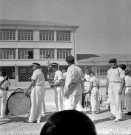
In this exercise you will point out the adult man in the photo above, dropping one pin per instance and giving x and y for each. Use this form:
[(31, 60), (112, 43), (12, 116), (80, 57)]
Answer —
[(37, 88), (58, 86), (4, 86), (115, 84), (74, 76)]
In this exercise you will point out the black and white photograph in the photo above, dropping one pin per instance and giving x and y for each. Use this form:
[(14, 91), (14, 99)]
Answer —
[(65, 67)]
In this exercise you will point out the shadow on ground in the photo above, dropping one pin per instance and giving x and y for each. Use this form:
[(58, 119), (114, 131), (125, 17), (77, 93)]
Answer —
[(46, 117), (23, 119), (13, 119), (125, 117)]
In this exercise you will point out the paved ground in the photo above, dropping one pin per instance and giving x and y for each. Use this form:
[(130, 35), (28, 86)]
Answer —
[(15, 125)]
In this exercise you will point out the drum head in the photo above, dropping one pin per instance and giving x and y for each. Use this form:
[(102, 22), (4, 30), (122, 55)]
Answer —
[(18, 103)]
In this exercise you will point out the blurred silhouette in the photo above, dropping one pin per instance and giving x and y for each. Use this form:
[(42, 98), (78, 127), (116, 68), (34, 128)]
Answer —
[(69, 122)]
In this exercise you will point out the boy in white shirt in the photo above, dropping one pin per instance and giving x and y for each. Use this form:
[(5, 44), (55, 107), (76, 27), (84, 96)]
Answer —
[(94, 88), (86, 95), (128, 91)]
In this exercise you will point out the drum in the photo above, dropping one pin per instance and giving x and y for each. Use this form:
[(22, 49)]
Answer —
[(18, 103)]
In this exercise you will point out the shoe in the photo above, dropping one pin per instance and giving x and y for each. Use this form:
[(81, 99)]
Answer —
[(116, 120), (2, 117), (112, 118), (28, 121), (129, 113), (43, 114), (38, 121)]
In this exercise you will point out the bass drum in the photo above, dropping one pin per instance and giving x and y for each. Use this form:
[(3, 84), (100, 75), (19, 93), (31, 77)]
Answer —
[(18, 103)]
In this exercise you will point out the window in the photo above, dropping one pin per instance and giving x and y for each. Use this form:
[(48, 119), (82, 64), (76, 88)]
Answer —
[(47, 35), (7, 34), (25, 73), (63, 53), (25, 54), (63, 35), (25, 35), (103, 71), (7, 53), (47, 54), (10, 71)]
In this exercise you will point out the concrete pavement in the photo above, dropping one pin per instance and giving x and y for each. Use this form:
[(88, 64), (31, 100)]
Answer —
[(15, 125)]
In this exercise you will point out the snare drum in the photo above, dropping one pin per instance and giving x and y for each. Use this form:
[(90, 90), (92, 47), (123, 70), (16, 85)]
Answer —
[(18, 103)]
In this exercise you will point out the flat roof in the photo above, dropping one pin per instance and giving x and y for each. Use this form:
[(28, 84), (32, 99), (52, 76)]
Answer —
[(4, 22)]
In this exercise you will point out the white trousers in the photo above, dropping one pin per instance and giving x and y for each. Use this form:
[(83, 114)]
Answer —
[(115, 99), (37, 96), (59, 98), (95, 104), (128, 99), (3, 100), (44, 107), (74, 103)]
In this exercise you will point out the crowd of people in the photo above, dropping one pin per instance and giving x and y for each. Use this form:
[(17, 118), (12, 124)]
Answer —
[(79, 90)]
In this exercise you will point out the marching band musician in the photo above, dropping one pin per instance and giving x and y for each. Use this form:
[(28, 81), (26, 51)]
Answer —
[(37, 87), (115, 85), (58, 86), (74, 76), (4, 86)]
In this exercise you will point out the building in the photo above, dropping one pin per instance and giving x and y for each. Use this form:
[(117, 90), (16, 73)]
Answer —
[(25, 42), (99, 63)]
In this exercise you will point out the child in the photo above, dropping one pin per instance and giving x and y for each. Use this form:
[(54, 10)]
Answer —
[(86, 95), (123, 67), (4, 86), (94, 88), (128, 91)]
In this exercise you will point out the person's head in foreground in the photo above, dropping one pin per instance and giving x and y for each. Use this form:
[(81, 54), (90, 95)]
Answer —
[(69, 122)]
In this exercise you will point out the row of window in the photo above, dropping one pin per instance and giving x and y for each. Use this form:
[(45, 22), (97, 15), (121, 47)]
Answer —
[(101, 70), (29, 53), (27, 35), (25, 72)]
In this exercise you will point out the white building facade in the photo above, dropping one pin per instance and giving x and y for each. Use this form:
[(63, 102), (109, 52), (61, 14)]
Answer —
[(25, 42)]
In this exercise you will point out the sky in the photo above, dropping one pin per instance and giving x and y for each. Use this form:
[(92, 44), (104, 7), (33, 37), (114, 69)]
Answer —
[(104, 25)]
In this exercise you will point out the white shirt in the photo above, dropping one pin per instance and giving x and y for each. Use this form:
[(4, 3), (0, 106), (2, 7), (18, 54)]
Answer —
[(87, 77), (58, 76), (1, 79), (64, 75), (5, 84), (86, 83), (95, 81), (127, 83), (115, 75), (74, 75), (39, 78)]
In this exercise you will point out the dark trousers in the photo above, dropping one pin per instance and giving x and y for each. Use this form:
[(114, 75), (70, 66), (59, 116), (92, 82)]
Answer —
[(83, 100)]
